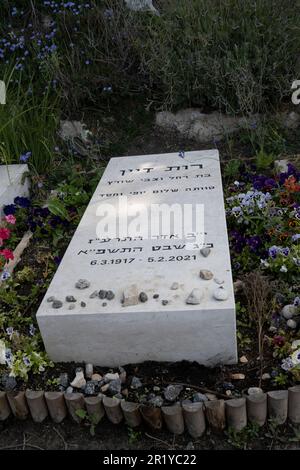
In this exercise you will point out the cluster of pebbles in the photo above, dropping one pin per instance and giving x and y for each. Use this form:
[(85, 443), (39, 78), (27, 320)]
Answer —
[(290, 313), (131, 295), (118, 384)]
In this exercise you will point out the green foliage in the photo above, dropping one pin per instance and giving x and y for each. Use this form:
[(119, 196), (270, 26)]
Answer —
[(133, 436), (232, 168), (28, 122), (91, 420), (243, 439), (264, 160), (281, 380), (56, 207)]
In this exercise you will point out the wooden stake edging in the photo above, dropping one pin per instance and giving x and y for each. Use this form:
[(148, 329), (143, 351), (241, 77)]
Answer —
[(257, 408), (236, 414), (94, 407), (215, 414), (75, 401), (173, 418), (56, 406), (37, 405), (294, 404), (113, 409), (152, 416), (278, 405), (131, 412), (4, 407), (18, 404), (194, 418)]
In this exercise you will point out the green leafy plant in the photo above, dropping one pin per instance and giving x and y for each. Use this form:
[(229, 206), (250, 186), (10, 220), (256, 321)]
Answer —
[(90, 420)]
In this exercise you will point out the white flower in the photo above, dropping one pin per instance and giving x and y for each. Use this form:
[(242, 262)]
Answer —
[(283, 269), (2, 352), (264, 263), (296, 357), (295, 344)]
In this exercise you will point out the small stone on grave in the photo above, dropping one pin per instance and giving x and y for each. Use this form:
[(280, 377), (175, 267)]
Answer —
[(175, 286), (70, 298), (136, 383), (82, 284), (110, 295), (57, 304), (206, 274), (195, 297), (143, 297), (79, 380), (205, 251), (172, 392)]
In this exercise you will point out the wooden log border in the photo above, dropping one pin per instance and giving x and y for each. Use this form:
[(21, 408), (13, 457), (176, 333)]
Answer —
[(287, 399)]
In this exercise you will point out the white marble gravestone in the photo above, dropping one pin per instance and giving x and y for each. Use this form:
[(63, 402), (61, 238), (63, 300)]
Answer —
[(12, 184), (150, 260)]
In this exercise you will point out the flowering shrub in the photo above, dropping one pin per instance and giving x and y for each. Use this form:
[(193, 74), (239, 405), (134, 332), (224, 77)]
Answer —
[(292, 362), (263, 217)]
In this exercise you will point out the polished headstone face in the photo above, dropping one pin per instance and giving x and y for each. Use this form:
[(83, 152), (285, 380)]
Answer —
[(128, 243), (12, 184)]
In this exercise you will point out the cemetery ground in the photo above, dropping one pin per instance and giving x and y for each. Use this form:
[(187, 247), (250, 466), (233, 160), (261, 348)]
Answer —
[(22, 294), (87, 82)]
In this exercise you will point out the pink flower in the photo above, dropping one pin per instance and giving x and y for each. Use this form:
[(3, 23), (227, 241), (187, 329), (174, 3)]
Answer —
[(4, 233), (7, 254), (10, 219)]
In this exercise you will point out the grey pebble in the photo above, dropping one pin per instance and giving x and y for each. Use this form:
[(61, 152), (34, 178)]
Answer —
[(51, 299), (136, 383), (82, 304), (206, 274), (70, 298), (102, 294), (156, 401), (164, 302), (155, 296), (94, 294), (174, 286), (64, 379), (69, 390), (171, 392), (199, 397), (82, 284), (110, 295), (104, 304), (57, 304), (205, 251), (143, 297), (114, 386), (71, 307)]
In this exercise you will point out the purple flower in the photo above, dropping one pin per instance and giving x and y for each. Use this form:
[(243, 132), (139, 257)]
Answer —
[(254, 243), (181, 154), (22, 201), (296, 237), (10, 209), (287, 364), (4, 276), (297, 301), (273, 251), (25, 157), (285, 251), (26, 361)]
